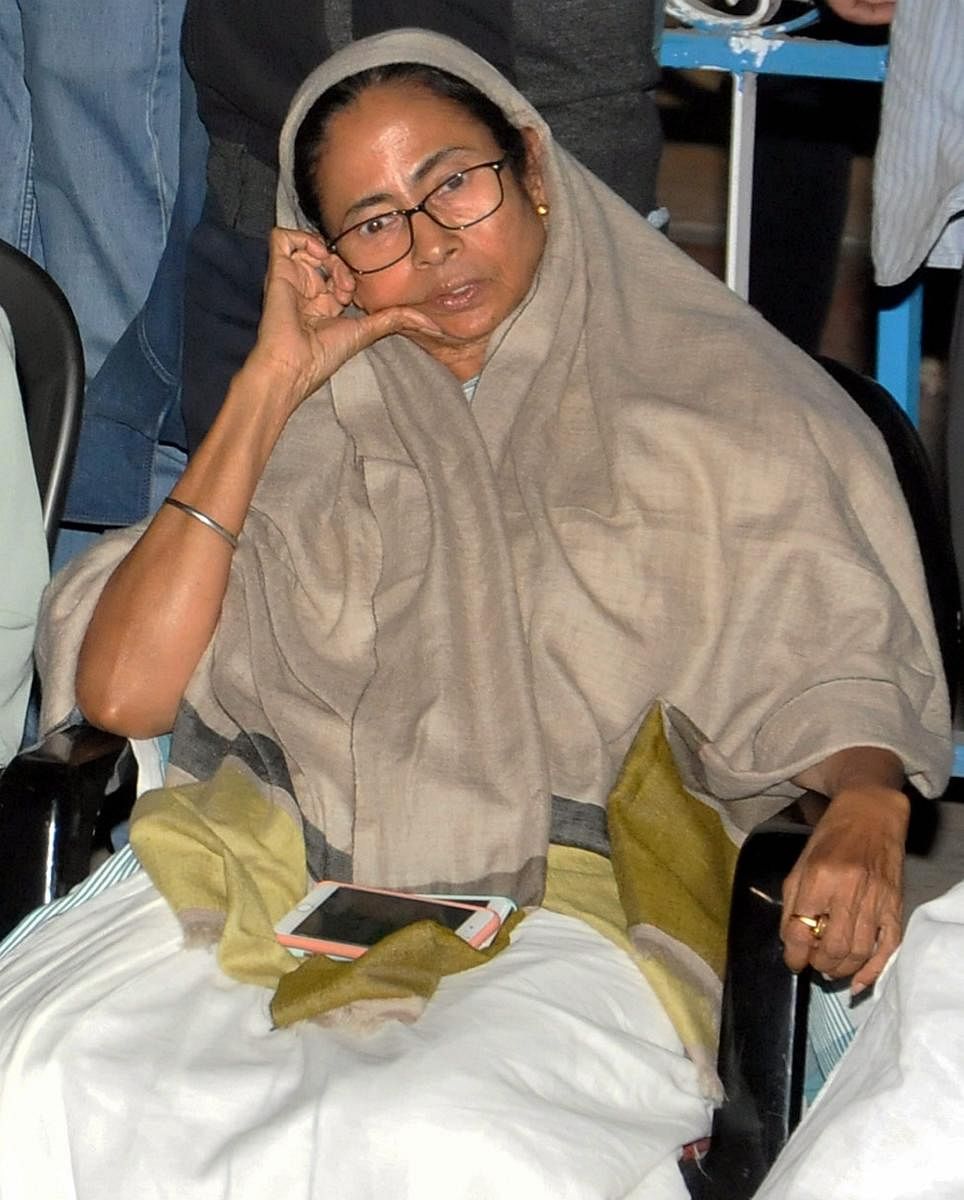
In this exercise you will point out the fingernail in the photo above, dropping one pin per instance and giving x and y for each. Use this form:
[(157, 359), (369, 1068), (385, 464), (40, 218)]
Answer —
[(857, 988)]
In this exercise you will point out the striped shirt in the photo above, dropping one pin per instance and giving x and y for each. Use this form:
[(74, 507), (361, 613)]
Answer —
[(919, 164), (114, 870)]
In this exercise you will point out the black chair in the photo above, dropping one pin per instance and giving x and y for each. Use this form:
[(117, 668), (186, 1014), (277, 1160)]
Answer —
[(50, 369), (56, 794), (764, 1024), (49, 797), (925, 503)]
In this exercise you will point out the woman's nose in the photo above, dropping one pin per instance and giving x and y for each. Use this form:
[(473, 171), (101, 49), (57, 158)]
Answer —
[(432, 243)]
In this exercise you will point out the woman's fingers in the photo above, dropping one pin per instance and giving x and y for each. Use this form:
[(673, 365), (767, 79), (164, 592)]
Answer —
[(797, 936), (842, 906), (302, 260), (797, 945), (826, 936), (838, 944), (847, 942), (374, 326), (887, 942), (305, 335), (282, 243)]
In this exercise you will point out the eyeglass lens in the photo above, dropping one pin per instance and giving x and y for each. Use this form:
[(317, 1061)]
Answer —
[(461, 200)]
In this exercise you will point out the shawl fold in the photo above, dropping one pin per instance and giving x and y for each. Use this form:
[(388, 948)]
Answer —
[(439, 617), (230, 863)]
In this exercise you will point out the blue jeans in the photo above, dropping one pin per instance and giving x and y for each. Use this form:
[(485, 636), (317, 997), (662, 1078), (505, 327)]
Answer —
[(132, 410), (102, 182), (89, 102)]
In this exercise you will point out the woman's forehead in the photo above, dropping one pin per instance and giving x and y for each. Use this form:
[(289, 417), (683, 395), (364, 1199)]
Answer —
[(388, 117), (391, 142)]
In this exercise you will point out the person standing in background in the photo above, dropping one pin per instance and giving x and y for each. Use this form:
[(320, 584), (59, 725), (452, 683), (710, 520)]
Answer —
[(102, 144), (918, 215), (90, 152), (808, 132)]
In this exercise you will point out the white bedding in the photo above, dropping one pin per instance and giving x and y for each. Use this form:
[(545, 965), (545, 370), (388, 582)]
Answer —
[(131, 1067), (887, 1124)]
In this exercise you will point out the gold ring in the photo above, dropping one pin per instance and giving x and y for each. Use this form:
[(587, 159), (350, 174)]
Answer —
[(816, 925)]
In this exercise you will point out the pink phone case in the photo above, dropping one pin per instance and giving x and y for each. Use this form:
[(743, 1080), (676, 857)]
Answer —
[(352, 950)]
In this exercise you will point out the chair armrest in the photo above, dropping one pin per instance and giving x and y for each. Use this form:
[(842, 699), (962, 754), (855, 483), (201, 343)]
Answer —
[(58, 802), (762, 1054)]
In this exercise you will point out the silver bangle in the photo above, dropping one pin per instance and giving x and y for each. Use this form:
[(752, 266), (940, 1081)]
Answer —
[(210, 522)]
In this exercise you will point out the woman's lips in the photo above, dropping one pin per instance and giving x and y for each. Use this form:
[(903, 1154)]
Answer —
[(457, 298)]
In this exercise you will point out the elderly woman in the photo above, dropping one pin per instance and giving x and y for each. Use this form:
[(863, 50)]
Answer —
[(503, 473)]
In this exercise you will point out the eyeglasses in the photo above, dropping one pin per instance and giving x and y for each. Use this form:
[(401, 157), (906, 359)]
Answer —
[(464, 199)]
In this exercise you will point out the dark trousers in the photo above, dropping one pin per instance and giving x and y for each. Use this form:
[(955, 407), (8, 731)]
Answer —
[(808, 131), (222, 308)]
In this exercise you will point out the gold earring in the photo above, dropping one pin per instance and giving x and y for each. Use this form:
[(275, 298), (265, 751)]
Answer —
[(542, 210)]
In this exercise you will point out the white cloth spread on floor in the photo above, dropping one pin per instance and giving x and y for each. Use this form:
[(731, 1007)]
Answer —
[(887, 1125)]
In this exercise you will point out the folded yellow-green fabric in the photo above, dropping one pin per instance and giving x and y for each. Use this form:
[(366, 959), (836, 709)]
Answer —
[(664, 897), (408, 963), (673, 858), (231, 863)]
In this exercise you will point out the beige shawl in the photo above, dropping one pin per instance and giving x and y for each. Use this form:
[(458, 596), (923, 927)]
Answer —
[(445, 623)]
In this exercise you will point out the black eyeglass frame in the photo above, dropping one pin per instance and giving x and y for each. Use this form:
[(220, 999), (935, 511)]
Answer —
[(497, 166)]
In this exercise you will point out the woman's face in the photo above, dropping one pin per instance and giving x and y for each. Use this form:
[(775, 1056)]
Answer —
[(387, 150)]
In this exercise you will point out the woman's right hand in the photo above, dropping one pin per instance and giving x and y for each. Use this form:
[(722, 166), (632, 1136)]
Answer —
[(304, 335), (160, 608)]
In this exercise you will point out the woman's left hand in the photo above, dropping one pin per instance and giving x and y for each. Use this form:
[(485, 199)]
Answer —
[(851, 873)]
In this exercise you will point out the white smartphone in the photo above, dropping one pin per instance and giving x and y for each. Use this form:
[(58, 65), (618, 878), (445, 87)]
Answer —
[(344, 920), (502, 906)]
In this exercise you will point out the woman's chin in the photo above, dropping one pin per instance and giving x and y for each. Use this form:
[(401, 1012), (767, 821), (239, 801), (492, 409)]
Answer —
[(461, 350), (455, 328)]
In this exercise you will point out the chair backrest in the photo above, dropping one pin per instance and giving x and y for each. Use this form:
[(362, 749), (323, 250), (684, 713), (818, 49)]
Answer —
[(927, 509), (50, 368)]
